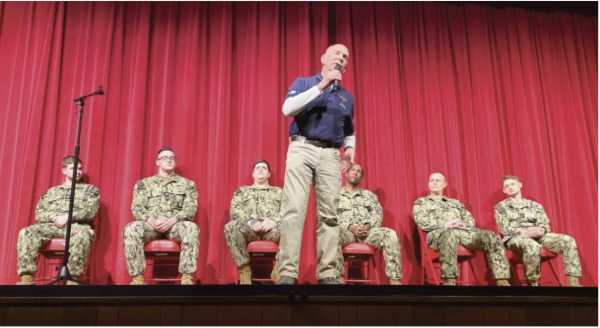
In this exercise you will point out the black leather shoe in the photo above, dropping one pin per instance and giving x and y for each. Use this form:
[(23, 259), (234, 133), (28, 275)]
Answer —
[(329, 281), (283, 280)]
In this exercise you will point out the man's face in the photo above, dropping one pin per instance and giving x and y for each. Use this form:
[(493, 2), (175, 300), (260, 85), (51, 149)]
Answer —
[(335, 54), (67, 171), (261, 172), (437, 183), (511, 187), (355, 174), (166, 160)]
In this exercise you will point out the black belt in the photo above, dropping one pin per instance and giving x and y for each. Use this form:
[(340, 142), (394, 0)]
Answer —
[(314, 142)]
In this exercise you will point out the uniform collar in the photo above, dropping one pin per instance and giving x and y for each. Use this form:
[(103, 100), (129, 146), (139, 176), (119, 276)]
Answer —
[(443, 198), (167, 178), (515, 204), (68, 186), (359, 191), (260, 187)]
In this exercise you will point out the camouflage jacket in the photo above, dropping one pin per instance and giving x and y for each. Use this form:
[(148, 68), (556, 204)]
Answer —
[(172, 196), (431, 215), (359, 207), (256, 202), (511, 216), (55, 202)]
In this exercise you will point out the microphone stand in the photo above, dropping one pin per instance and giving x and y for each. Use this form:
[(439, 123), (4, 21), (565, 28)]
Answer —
[(63, 272)]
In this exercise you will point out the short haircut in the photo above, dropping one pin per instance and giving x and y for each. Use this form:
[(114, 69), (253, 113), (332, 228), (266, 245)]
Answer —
[(164, 148), (262, 161), (510, 177), (68, 160)]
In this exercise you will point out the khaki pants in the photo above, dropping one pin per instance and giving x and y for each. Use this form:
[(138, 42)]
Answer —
[(307, 164)]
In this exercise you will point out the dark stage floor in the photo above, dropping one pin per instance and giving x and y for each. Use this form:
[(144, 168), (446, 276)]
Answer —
[(297, 305)]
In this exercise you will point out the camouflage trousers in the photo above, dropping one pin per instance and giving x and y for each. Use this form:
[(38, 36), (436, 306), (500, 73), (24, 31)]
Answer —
[(558, 243), (238, 234), (31, 238), (446, 242), (138, 232), (384, 239)]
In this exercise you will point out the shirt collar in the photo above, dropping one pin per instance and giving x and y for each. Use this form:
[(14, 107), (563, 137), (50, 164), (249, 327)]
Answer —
[(443, 198), (260, 187), (514, 204), (359, 191)]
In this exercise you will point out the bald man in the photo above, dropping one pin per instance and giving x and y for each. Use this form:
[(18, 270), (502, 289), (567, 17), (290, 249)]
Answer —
[(449, 224), (322, 125)]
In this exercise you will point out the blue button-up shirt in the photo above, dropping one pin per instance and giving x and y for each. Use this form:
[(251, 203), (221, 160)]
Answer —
[(327, 117)]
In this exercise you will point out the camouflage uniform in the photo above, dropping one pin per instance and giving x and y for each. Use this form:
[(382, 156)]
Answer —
[(156, 196), (432, 214), (251, 203), (512, 215), (362, 207), (53, 203)]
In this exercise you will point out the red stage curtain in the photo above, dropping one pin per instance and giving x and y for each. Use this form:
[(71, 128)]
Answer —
[(472, 90)]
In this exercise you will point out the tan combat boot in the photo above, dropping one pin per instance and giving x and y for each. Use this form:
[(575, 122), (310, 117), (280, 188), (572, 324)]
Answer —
[(137, 280), (533, 283), (246, 274), (449, 282), (187, 279), (396, 282), (25, 279), (502, 282), (275, 272), (72, 283), (573, 281)]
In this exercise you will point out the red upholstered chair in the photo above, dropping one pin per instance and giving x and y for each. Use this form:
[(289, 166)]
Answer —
[(359, 264), (262, 259), (51, 259), (431, 264), (162, 262), (518, 269)]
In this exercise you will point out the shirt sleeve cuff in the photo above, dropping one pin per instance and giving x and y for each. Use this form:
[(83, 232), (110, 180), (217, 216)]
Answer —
[(350, 141)]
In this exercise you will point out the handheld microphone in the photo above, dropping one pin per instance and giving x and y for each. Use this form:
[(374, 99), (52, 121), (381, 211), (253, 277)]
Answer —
[(336, 83)]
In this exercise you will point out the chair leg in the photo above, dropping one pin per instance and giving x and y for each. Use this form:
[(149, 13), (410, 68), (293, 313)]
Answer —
[(346, 269), (555, 272), (149, 270), (365, 269), (373, 276)]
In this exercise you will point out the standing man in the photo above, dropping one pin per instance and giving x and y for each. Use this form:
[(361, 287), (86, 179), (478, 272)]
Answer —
[(322, 112), (449, 224), (51, 216), (525, 227), (164, 206), (254, 216), (360, 217)]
